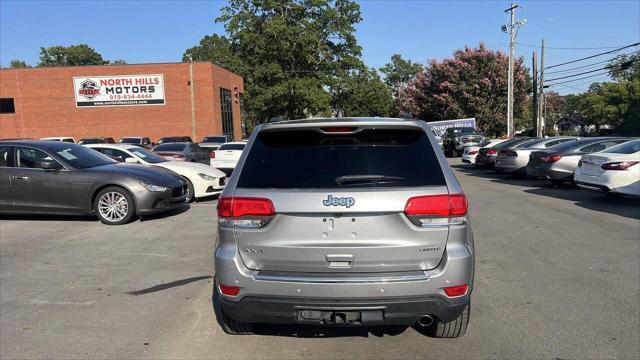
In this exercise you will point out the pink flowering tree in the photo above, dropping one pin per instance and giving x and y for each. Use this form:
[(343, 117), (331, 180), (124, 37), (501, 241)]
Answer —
[(471, 84)]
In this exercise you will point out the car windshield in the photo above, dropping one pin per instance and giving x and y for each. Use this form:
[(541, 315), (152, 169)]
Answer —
[(464, 130), (304, 159), (89, 141), (146, 155), (129, 141), (214, 139), (170, 147), (508, 143), (628, 147), (231, 147), (80, 157)]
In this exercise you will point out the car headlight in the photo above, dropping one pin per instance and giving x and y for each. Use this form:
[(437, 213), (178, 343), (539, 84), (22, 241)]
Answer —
[(206, 177), (153, 188)]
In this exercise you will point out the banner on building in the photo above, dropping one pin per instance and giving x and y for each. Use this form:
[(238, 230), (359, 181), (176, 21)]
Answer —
[(119, 90)]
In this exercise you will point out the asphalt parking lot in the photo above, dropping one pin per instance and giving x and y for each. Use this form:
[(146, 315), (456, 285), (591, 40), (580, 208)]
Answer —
[(558, 276)]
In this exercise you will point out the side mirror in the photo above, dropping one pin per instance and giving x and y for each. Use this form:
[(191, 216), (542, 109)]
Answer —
[(50, 165), (130, 160)]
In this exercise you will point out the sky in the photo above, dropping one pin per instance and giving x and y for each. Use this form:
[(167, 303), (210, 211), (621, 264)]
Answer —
[(160, 31)]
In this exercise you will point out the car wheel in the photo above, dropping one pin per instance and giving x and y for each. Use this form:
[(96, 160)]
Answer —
[(452, 329), (114, 206), (190, 192), (229, 325)]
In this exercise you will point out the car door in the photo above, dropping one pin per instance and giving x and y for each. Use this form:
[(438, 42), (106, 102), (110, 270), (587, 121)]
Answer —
[(35, 189), (6, 162)]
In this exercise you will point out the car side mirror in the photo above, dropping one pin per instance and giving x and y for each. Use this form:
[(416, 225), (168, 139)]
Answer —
[(50, 165), (130, 160)]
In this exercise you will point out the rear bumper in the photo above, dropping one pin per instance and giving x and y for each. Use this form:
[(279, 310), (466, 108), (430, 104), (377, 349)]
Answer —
[(549, 172), (312, 311)]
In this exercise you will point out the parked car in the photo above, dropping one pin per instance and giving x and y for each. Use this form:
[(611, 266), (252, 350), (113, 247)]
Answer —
[(67, 139), (141, 141), (46, 177), (202, 180), (174, 139), (487, 155), (615, 170), (438, 137), (227, 156), (471, 152), (514, 159), (214, 142), (330, 222), (558, 164), (99, 140), (457, 138), (182, 151)]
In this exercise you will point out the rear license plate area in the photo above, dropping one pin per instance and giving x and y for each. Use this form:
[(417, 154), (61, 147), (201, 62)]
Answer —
[(340, 317)]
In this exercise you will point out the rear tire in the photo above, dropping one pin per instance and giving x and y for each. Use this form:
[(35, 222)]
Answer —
[(190, 191), (452, 329), (229, 325)]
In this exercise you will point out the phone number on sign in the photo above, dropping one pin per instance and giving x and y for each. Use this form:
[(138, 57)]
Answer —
[(129, 96)]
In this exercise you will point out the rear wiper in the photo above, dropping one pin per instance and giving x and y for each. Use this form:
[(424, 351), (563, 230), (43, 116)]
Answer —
[(365, 179)]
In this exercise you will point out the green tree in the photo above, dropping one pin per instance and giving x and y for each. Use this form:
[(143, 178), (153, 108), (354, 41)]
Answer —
[(218, 50), (74, 55), (16, 64), (293, 52), (362, 93), (399, 72), (625, 67), (118, 62)]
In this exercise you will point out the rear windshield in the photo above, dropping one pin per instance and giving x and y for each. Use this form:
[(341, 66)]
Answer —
[(170, 147), (464, 130), (129, 141), (310, 159), (231, 147), (214, 139), (89, 141), (629, 147)]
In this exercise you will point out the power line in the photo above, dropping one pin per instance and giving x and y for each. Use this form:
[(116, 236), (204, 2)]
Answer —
[(570, 48), (590, 65), (592, 56), (591, 71), (584, 77)]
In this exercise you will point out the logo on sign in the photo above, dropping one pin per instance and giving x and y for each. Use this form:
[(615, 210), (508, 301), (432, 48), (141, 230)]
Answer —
[(89, 89), (339, 201)]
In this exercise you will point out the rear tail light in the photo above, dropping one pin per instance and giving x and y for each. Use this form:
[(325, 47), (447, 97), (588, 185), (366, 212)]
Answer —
[(492, 152), (212, 155), (618, 165), (245, 212), (339, 129), (550, 158), (437, 210), (229, 290), (473, 152), (458, 290)]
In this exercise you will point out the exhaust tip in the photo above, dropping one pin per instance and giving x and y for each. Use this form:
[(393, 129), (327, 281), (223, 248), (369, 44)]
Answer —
[(425, 320)]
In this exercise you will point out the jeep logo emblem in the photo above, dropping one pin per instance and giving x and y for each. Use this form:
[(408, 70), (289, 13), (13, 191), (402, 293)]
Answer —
[(339, 201)]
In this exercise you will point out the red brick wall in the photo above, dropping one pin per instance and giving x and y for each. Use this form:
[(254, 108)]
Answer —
[(45, 103)]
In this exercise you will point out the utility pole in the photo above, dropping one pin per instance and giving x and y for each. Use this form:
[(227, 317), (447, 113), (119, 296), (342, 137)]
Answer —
[(193, 100), (536, 125), (541, 107), (513, 24)]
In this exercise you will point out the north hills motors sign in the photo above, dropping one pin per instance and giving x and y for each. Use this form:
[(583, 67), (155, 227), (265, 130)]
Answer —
[(119, 90)]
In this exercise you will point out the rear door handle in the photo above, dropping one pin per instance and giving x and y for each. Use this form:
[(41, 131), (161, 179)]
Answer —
[(21, 177)]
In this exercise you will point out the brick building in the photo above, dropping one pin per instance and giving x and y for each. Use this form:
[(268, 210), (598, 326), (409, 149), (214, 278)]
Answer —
[(151, 100)]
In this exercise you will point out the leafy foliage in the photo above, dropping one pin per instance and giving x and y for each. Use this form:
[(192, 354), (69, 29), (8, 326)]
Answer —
[(118, 62), (625, 67), (298, 57), (74, 55), (471, 84), (399, 72), (16, 64)]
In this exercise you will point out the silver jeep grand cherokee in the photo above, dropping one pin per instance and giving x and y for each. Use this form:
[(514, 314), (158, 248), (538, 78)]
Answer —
[(345, 222)]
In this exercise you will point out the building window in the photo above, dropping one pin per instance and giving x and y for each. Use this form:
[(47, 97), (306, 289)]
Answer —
[(226, 112), (7, 106)]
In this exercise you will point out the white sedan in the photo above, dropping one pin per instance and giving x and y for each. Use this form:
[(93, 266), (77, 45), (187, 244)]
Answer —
[(202, 179), (470, 152), (614, 170), (227, 156)]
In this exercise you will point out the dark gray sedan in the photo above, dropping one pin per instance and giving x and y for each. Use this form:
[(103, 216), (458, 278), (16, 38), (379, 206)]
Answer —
[(49, 177), (183, 151)]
